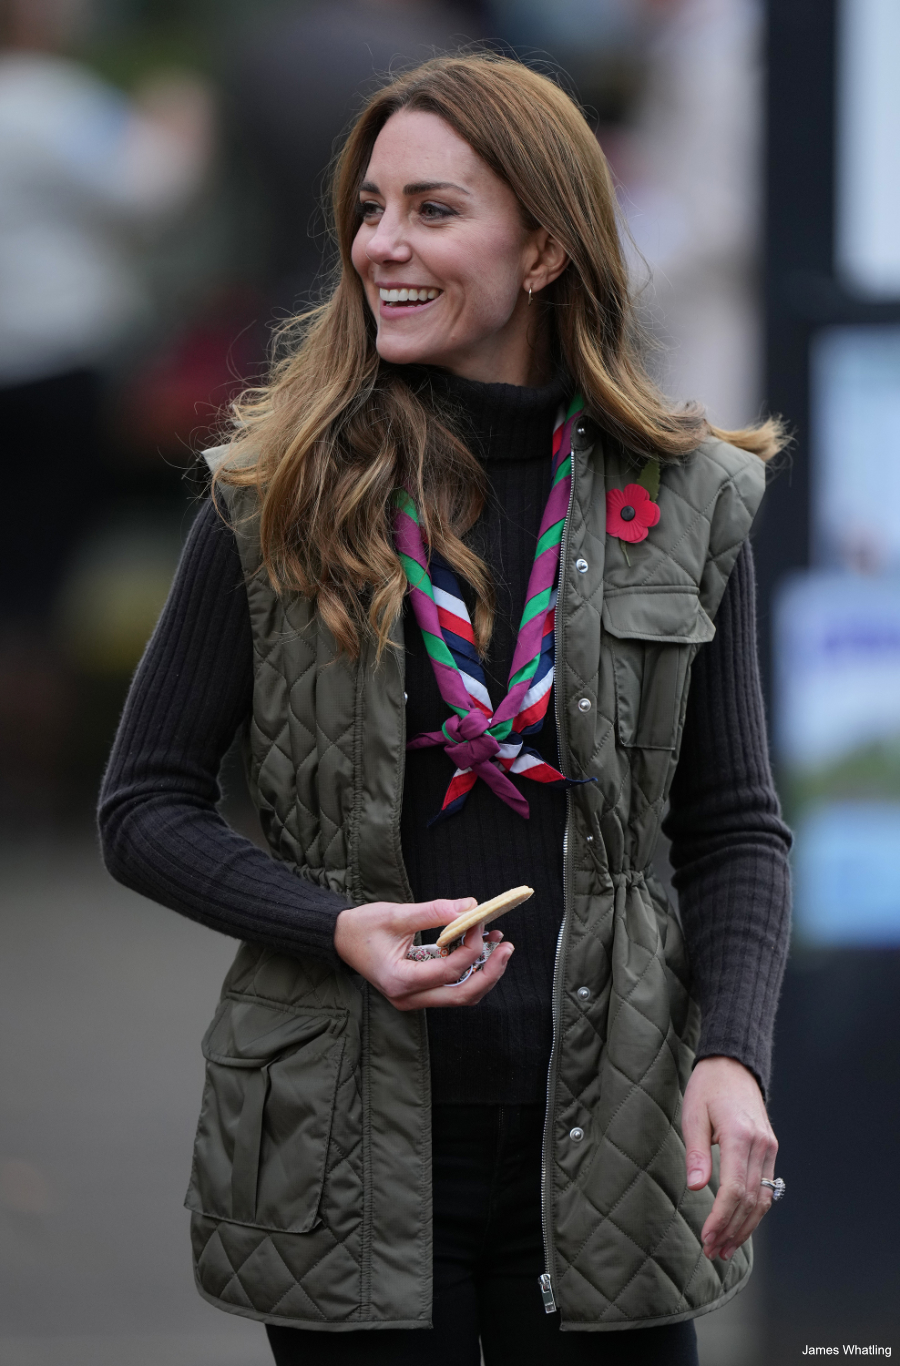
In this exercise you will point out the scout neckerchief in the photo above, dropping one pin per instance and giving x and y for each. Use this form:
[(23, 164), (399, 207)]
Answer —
[(484, 743)]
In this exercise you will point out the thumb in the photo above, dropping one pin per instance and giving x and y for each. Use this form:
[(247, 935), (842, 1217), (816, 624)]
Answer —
[(429, 915), (697, 1131)]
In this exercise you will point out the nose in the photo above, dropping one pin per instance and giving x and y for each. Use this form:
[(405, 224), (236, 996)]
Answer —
[(387, 242)]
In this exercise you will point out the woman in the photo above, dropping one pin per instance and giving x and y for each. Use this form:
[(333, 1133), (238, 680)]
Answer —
[(408, 457)]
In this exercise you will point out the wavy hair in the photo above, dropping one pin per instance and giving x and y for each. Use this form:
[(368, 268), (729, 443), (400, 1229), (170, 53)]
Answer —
[(336, 430)]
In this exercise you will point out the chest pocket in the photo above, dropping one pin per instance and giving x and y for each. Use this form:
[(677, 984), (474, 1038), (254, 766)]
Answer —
[(262, 1141), (653, 635)]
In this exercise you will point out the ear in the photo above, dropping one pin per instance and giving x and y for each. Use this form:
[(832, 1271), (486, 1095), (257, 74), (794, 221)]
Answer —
[(546, 261)]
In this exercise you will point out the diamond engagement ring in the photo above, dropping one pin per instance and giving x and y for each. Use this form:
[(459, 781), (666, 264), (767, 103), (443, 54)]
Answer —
[(776, 1186)]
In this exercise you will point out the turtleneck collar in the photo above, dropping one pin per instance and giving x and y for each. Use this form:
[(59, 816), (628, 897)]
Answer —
[(502, 421)]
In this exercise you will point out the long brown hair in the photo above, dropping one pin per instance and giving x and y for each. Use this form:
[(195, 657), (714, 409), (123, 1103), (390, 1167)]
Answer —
[(337, 430)]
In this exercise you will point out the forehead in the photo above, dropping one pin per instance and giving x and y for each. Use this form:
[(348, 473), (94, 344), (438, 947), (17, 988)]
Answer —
[(414, 146)]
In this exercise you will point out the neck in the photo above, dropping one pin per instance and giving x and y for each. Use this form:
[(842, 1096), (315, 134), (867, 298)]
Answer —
[(499, 421)]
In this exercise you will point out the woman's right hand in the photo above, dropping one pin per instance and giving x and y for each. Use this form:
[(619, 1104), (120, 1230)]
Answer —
[(375, 939)]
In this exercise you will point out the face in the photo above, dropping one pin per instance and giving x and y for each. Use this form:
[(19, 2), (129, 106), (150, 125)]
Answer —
[(445, 258)]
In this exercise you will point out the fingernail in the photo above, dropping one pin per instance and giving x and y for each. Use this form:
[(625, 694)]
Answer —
[(696, 1174)]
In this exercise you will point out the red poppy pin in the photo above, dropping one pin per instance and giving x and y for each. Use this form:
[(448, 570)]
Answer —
[(631, 512)]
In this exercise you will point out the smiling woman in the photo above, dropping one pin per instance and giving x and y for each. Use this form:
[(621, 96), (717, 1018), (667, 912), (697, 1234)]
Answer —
[(480, 178), (411, 593), (463, 245)]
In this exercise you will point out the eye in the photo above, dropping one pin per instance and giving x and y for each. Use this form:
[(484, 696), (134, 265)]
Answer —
[(368, 209), (435, 212)]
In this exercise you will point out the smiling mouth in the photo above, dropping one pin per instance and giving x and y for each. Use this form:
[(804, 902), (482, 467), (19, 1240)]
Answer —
[(407, 296)]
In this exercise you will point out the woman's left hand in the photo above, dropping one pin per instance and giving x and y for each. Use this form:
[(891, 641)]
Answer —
[(723, 1104)]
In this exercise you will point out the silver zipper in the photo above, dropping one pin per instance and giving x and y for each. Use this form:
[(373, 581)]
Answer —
[(546, 1281)]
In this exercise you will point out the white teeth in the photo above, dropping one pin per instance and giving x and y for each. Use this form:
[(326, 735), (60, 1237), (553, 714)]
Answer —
[(403, 296)]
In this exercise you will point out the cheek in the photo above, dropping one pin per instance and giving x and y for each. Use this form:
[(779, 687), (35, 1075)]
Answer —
[(358, 253), (493, 284)]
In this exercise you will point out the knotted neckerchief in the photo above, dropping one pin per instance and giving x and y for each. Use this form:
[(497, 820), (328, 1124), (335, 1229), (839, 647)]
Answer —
[(484, 743)]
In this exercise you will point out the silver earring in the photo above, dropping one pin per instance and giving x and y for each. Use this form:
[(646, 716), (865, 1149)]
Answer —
[(529, 295)]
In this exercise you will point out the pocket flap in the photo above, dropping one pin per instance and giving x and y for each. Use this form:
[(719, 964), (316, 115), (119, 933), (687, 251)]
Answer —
[(664, 615), (249, 1033)]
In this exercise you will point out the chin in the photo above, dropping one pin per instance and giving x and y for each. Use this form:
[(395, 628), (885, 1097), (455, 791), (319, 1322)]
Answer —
[(402, 351)]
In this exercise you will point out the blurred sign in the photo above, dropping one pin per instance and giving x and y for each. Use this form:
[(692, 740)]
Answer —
[(838, 626), (838, 735), (847, 873), (855, 380), (868, 171)]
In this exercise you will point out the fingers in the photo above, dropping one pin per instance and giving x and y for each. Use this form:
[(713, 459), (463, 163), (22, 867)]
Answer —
[(457, 993), (374, 939), (761, 1163), (732, 1202), (408, 979), (412, 978), (466, 994), (747, 1154), (724, 1105), (758, 1198)]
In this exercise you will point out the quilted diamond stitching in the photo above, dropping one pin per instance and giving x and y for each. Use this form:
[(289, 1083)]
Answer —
[(295, 1284), (628, 787), (647, 1254)]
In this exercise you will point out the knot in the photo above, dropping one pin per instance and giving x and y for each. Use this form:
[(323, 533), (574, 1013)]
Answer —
[(470, 746)]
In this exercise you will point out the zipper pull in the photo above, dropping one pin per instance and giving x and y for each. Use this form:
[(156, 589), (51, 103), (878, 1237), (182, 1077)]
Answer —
[(547, 1293)]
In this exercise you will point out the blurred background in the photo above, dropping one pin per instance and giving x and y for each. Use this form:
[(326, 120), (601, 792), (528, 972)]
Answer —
[(161, 165)]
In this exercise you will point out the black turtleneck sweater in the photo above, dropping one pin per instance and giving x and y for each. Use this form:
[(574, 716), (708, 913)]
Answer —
[(163, 836)]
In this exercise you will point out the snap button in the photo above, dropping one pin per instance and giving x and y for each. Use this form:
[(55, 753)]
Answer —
[(583, 435), (589, 839), (581, 566), (583, 993), (584, 704), (406, 697), (576, 1134)]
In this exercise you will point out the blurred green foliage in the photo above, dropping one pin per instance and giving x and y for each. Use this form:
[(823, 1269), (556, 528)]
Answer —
[(128, 40), (870, 773)]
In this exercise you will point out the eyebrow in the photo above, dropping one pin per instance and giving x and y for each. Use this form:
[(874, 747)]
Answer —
[(418, 187)]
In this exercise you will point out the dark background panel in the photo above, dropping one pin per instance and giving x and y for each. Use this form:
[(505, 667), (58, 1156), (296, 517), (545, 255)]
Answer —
[(831, 1269)]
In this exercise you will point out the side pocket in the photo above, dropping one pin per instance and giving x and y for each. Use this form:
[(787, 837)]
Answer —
[(265, 1124)]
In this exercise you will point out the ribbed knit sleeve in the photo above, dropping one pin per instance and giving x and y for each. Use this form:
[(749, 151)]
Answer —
[(160, 830), (729, 844)]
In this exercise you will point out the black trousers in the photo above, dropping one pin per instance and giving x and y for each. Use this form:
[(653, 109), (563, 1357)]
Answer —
[(488, 1254)]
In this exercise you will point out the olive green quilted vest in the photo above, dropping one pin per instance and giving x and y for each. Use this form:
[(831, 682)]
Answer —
[(311, 1183)]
